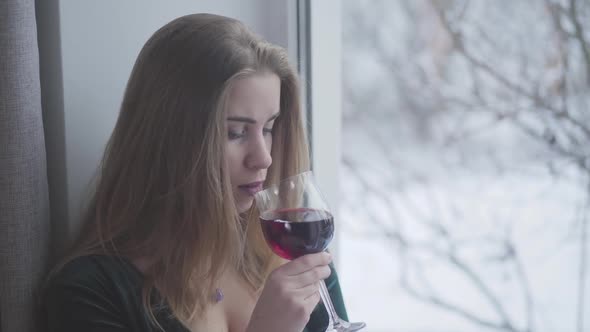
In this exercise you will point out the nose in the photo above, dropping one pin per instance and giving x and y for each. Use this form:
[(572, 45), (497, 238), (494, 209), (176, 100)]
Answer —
[(259, 154)]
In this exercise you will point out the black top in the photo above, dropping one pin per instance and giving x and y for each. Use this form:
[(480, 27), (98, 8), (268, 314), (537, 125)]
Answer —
[(103, 293)]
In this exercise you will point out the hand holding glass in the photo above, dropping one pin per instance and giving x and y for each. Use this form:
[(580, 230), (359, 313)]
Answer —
[(296, 221)]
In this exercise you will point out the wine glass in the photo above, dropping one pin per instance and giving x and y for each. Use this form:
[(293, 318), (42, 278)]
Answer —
[(296, 221)]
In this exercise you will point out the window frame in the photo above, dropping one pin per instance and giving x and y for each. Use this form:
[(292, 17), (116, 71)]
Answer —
[(319, 59)]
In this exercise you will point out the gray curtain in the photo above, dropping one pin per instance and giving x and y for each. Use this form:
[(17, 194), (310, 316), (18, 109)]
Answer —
[(24, 201)]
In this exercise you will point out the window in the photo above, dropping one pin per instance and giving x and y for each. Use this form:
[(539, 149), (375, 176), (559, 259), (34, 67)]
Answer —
[(464, 163)]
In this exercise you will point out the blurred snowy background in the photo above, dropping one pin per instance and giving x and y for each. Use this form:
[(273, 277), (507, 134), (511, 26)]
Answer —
[(466, 165)]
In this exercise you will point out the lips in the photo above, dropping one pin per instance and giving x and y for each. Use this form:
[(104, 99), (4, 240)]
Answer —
[(251, 188)]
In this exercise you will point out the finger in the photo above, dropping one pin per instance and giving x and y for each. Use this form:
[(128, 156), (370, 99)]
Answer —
[(313, 299), (307, 262), (309, 290), (310, 277)]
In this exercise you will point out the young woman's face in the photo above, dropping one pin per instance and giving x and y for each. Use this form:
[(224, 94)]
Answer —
[(253, 105)]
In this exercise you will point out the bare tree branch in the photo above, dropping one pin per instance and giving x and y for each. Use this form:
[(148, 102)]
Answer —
[(485, 290), (579, 33), (545, 103), (525, 284), (439, 302), (514, 87)]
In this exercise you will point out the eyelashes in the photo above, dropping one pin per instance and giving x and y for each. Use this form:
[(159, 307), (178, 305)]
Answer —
[(234, 135)]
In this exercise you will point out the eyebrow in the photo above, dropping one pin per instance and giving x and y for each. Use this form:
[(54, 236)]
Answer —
[(250, 120)]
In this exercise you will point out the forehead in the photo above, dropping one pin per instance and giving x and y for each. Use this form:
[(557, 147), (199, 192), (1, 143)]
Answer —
[(256, 95)]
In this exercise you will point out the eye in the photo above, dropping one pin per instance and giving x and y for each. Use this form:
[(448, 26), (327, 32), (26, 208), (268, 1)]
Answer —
[(267, 131), (233, 135)]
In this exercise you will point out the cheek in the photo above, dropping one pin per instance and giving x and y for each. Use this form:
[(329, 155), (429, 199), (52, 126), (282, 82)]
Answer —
[(233, 162)]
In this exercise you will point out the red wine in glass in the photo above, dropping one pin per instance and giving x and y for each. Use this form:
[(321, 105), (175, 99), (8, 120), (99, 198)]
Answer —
[(292, 233), (296, 221)]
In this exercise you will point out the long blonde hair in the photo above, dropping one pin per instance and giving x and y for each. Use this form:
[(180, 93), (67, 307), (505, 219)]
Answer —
[(163, 190)]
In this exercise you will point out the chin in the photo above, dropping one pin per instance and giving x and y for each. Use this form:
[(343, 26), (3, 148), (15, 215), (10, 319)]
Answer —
[(245, 206)]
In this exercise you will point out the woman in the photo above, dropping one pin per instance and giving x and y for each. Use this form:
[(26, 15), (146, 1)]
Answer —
[(170, 239)]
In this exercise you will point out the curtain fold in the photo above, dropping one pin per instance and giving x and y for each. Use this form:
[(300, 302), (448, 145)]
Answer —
[(24, 200)]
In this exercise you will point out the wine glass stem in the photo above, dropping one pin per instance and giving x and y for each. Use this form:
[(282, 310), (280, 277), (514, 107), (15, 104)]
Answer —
[(334, 320)]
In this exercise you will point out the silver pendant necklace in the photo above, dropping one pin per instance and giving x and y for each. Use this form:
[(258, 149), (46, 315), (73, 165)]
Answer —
[(218, 295)]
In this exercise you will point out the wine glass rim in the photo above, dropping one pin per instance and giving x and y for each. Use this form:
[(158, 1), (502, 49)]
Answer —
[(304, 174)]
